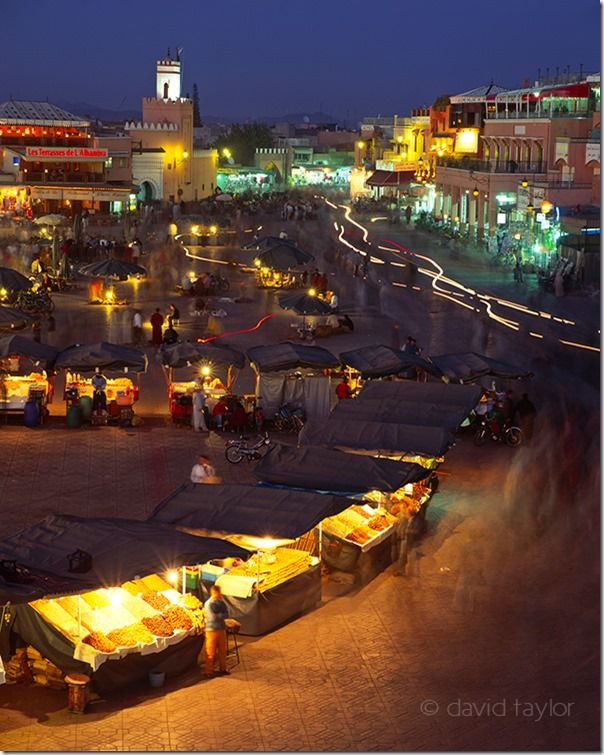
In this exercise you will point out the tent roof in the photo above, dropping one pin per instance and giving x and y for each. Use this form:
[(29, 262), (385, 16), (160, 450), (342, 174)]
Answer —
[(471, 366), (382, 437), (403, 412), (442, 394), (26, 347), (247, 510), (382, 361), (179, 354), (38, 113), (108, 356), (121, 549), (331, 470), (289, 355), (283, 256)]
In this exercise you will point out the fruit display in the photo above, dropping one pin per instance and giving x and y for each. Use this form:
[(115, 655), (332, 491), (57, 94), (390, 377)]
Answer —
[(360, 524), (158, 626), (177, 618), (131, 636), (156, 599), (271, 568), (99, 641)]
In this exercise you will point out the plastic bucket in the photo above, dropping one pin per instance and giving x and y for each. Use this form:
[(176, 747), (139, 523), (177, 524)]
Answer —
[(31, 413), (74, 417), (86, 407), (157, 679)]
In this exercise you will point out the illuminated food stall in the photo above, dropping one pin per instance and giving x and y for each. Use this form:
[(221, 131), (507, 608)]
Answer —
[(81, 361), (279, 263), (282, 577), (358, 539), (378, 361), (294, 374), (205, 361), (469, 367), (108, 596), (28, 375), (110, 269)]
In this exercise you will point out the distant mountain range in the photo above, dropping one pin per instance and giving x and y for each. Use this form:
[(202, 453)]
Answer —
[(93, 112)]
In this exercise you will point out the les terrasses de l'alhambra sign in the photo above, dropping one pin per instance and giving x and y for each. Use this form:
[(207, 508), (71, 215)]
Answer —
[(66, 153)]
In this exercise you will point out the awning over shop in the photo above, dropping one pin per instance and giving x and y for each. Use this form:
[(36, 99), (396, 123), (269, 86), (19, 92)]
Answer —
[(25, 347), (327, 469), (390, 178), (471, 366), (121, 549), (185, 354), (382, 361), (441, 394), (377, 437), (247, 510), (402, 412), (289, 355), (107, 356)]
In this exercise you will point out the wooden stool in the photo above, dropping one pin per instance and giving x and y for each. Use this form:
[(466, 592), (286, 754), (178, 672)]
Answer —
[(232, 630), (77, 692)]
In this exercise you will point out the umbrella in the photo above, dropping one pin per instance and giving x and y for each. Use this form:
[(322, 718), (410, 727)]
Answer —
[(266, 242), (13, 280), (52, 219), (224, 198), (283, 256), (112, 268), (109, 356), (15, 318), (25, 347), (304, 303), (182, 354)]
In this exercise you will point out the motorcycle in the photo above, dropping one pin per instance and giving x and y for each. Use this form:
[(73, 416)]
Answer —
[(509, 434), (238, 450)]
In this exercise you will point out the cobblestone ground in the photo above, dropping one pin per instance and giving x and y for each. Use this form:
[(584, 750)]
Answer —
[(352, 674)]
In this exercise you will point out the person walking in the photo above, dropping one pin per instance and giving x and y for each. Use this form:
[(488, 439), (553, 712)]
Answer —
[(157, 321), (173, 316), (408, 213), (215, 612), (137, 328), (199, 402)]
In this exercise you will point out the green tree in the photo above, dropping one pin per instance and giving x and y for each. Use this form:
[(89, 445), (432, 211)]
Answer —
[(241, 142), (196, 114), (441, 102)]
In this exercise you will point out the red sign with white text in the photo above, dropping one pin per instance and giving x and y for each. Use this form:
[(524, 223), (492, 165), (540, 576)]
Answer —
[(78, 154)]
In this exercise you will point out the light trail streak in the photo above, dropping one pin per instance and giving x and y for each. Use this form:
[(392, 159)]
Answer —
[(535, 335), (455, 301), (374, 220), (347, 211), (237, 332), (580, 345)]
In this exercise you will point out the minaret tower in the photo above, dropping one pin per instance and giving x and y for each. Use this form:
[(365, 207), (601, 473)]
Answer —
[(168, 78)]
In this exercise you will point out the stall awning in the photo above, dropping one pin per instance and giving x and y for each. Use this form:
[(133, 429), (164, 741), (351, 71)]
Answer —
[(327, 469), (183, 354), (402, 412), (441, 394), (121, 549), (107, 356), (471, 366), (377, 437), (382, 361), (24, 347), (390, 177), (289, 356), (247, 510)]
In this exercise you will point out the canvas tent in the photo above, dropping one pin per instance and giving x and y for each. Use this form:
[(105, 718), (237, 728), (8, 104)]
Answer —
[(376, 361), (470, 366), (441, 394), (326, 469), (292, 373), (402, 412), (107, 356)]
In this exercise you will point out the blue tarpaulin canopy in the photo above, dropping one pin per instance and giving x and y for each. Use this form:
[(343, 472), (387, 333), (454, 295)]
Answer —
[(247, 510)]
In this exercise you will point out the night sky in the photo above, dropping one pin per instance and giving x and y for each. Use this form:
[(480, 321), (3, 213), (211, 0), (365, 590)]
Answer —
[(253, 58)]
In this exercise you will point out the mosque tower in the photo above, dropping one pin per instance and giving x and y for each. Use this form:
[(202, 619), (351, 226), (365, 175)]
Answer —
[(168, 78)]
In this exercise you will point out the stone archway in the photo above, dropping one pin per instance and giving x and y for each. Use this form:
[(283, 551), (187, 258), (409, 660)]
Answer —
[(147, 192)]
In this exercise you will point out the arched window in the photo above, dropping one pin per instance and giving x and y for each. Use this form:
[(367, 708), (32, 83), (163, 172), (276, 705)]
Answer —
[(166, 85)]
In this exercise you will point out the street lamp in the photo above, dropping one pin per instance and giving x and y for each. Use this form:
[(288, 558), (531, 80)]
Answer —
[(530, 207), (475, 191), (524, 183)]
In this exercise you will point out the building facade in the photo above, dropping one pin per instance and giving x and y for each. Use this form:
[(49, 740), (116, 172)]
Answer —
[(166, 165)]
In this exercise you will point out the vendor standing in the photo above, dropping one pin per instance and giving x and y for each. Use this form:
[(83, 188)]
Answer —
[(215, 611), (343, 389), (157, 321), (99, 397), (199, 402)]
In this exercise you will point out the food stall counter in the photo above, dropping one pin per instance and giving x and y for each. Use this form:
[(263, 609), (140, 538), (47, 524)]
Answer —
[(17, 389), (122, 390)]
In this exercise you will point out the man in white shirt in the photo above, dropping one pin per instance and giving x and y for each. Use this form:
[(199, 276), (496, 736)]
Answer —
[(199, 401), (202, 472), (137, 328)]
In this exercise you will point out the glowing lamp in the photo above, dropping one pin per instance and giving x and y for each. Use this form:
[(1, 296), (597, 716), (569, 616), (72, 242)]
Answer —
[(517, 236), (530, 207), (546, 207), (109, 296), (195, 229), (213, 229), (524, 183), (475, 191), (360, 145), (457, 218), (312, 292), (399, 139), (205, 371), (3, 293), (227, 153), (185, 154), (257, 262), (115, 597), (172, 576)]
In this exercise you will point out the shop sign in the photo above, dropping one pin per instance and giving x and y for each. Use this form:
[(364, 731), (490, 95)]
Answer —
[(74, 154), (561, 150), (592, 152), (111, 196), (545, 224), (522, 198), (540, 217), (39, 193), (501, 218), (508, 197), (78, 194)]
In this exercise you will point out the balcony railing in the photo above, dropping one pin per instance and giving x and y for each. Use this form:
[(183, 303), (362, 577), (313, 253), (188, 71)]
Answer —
[(54, 177), (533, 114), (491, 166)]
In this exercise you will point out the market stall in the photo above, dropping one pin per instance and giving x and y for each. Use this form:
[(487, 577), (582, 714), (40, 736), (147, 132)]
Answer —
[(294, 374), (470, 367), (378, 361), (108, 597), (280, 264), (359, 539), (441, 394), (402, 412), (26, 384), (80, 363), (213, 363), (282, 578)]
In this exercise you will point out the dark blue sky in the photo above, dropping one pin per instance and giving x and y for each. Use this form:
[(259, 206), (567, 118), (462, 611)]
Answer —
[(269, 57)]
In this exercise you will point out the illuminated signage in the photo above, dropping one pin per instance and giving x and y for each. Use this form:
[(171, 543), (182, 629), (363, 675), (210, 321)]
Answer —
[(466, 140), (506, 198), (83, 154), (501, 218)]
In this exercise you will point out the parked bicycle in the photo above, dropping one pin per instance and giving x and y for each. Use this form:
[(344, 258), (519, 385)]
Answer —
[(238, 450), (288, 419), (35, 302), (509, 434)]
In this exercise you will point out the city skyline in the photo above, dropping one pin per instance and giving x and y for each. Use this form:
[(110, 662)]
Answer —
[(257, 62)]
